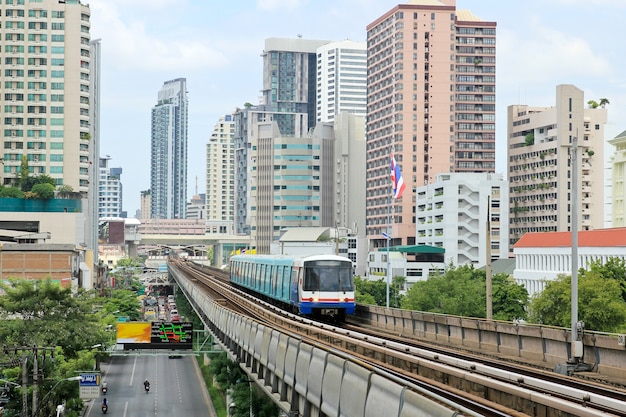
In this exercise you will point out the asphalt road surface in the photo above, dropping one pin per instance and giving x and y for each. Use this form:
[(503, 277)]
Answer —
[(176, 388)]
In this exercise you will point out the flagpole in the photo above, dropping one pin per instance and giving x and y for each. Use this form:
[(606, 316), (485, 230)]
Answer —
[(388, 239)]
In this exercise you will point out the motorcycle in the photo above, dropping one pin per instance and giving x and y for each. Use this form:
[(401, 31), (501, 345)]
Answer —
[(147, 388), (105, 408), (104, 390)]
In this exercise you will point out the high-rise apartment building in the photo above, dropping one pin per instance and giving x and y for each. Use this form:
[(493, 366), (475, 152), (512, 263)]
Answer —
[(431, 101), (45, 78), (341, 79), (168, 163), (220, 176), (539, 150), (109, 190), (289, 82)]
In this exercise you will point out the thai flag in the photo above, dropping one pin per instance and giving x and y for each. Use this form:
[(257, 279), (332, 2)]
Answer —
[(396, 176)]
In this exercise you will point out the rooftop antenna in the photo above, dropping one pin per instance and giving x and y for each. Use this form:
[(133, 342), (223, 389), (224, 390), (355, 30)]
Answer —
[(196, 185)]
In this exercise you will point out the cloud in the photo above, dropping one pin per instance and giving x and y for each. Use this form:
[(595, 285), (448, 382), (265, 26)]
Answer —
[(130, 45), (547, 54)]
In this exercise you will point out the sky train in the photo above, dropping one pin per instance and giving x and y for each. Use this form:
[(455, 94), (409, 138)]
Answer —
[(317, 286)]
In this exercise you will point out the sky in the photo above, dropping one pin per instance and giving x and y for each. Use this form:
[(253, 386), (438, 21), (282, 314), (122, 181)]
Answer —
[(216, 45)]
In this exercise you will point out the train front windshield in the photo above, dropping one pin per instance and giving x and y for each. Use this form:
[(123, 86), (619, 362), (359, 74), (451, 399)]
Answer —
[(328, 276)]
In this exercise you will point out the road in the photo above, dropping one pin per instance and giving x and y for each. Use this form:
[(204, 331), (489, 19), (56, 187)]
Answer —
[(176, 388)]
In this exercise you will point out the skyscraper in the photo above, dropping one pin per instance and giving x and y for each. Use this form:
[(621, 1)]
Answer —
[(289, 79), (45, 78), (341, 79), (168, 163), (539, 146), (220, 177), (431, 101)]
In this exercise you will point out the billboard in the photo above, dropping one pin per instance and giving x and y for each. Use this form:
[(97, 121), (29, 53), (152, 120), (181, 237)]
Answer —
[(155, 335)]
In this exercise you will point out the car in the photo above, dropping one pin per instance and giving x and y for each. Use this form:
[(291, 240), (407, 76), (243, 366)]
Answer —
[(174, 316)]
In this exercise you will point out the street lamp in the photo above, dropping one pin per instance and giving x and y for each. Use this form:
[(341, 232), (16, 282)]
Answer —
[(43, 400), (97, 355)]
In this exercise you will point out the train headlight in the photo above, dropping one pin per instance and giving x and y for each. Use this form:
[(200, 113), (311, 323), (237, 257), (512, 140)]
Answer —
[(315, 299)]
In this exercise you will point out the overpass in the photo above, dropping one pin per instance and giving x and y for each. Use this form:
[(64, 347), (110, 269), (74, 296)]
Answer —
[(195, 245), (298, 375)]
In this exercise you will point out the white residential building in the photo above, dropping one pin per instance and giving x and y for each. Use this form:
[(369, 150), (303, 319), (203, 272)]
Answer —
[(452, 213), (109, 190), (618, 181), (341, 79)]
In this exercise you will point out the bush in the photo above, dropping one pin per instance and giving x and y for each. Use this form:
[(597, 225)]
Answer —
[(11, 192), (43, 191)]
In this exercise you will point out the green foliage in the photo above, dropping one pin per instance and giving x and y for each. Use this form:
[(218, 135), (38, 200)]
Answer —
[(461, 291), (509, 299), (600, 304), (27, 183), (375, 292), (529, 139), (49, 315), (613, 268), (228, 375), (11, 192), (122, 303), (128, 262), (43, 191)]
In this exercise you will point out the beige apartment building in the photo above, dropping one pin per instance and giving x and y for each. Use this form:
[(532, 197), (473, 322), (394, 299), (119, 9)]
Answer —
[(220, 177), (431, 101), (45, 78), (539, 146)]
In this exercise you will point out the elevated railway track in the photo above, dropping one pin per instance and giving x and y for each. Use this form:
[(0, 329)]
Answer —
[(468, 383)]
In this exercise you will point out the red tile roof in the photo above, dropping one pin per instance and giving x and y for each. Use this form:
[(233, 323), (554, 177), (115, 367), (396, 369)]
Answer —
[(602, 237)]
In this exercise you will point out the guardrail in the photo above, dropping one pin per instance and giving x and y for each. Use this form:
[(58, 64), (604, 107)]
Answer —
[(546, 344)]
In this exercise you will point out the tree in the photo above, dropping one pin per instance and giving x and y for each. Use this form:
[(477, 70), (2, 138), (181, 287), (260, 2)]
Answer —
[(375, 292), (122, 303), (43, 191), (11, 192), (461, 291), (46, 314), (529, 139), (28, 183), (593, 104), (613, 268), (509, 298), (603, 102), (23, 173), (457, 291), (601, 306)]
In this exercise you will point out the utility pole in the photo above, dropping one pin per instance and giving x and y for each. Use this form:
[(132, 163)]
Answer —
[(24, 385), (35, 379), (488, 272)]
